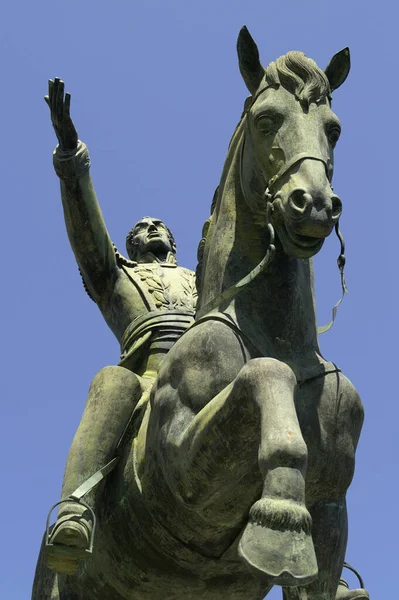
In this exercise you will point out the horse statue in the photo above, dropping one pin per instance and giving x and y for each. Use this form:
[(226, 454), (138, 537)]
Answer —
[(236, 477)]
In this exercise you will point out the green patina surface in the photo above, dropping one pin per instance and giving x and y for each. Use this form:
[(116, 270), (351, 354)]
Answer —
[(235, 437)]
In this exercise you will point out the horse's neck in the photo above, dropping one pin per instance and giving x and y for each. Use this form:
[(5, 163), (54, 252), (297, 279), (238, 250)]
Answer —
[(276, 310)]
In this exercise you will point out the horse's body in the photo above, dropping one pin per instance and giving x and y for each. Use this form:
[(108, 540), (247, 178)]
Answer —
[(245, 453)]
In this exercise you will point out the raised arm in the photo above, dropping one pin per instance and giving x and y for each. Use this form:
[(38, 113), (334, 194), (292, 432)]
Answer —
[(85, 225)]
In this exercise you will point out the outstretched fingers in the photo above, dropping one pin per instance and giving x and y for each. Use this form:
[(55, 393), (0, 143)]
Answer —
[(48, 98), (67, 104), (59, 104), (53, 100), (59, 101)]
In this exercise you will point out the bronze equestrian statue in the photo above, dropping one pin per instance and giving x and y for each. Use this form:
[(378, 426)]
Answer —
[(241, 444)]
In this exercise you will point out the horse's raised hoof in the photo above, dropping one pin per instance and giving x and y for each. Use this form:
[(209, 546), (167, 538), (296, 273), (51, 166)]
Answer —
[(68, 544), (344, 593), (277, 543)]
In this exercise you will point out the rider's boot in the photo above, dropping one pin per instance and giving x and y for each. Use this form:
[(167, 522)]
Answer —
[(344, 593), (113, 395), (69, 539)]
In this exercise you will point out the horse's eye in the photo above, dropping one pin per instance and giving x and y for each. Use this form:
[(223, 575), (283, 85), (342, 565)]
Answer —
[(333, 134), (266, 124)]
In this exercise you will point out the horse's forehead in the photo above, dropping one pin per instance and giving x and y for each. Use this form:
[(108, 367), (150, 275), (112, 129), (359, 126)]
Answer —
[(285, 101), (274, 96)]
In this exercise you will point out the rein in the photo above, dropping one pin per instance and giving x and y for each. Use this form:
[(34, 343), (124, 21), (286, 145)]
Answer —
[(231, 291), (341, 260)]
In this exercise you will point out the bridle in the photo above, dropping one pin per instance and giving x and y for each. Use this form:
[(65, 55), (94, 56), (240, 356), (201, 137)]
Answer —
[(264, 206)]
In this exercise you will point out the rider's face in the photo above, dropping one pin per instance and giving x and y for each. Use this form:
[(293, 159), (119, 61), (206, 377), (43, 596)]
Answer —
[(151, 235)]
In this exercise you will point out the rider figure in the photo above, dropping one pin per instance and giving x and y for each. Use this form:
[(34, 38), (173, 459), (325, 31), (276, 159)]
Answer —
[(147, 301)]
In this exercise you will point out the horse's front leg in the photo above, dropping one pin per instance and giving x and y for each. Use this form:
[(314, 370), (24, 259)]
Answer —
[(277, 540), (249, 426)]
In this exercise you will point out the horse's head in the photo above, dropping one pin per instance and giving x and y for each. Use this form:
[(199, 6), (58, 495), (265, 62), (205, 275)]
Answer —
[(287, 154)]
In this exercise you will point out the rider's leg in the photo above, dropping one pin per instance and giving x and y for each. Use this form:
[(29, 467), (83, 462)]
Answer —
[(112, 397), (113, 394)]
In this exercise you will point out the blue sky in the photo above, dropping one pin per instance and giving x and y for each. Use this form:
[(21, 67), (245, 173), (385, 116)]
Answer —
[(156, 94)]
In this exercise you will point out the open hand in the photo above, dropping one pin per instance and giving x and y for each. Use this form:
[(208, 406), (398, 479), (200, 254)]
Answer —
[(59, 112)]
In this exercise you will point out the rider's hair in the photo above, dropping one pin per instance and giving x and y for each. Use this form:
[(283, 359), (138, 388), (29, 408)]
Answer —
[(131, 245)]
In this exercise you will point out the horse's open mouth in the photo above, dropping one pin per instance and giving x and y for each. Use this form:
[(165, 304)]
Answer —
[(305, 241), (303, 246)]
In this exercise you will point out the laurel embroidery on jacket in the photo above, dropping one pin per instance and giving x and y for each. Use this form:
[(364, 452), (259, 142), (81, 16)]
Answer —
[(159, 288), (153, 277), (155, 285), (189, 296)]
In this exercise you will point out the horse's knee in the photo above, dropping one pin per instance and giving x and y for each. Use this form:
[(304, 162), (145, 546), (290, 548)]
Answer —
[(287, 453)]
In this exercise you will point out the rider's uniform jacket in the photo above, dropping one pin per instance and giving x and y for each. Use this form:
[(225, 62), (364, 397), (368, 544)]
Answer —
[(152, 302)]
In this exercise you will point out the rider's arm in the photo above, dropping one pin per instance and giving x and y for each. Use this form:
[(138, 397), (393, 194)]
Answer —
[(85, 225)]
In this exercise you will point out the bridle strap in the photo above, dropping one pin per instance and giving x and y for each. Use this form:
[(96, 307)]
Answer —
[(296, 159)]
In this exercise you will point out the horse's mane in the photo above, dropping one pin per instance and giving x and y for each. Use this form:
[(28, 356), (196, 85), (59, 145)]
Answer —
[(299, 75)]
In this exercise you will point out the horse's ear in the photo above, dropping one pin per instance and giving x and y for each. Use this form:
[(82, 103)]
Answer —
[(248, 59), (338, 68)]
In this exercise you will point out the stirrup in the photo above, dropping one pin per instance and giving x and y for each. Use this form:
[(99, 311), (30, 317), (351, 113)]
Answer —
[(61, 550), (76, 498), (359, 594), (350, 568)]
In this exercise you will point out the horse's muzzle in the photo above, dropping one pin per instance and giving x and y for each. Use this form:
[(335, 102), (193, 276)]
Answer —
[(304, 207), (303, 221), (308, 215)]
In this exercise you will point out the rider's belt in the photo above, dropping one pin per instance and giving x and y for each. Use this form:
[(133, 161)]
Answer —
[(164, 329)]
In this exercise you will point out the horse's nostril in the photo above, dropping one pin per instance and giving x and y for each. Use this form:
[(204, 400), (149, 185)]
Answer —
[(299, 200), (336, 206)]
